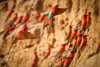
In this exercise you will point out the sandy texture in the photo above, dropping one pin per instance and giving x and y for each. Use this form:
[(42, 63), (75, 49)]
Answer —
[(21, 53)]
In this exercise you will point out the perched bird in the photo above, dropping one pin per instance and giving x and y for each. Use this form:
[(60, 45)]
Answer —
[(14, 17), (6, 32), (56, 11), (97, 47), (62, 49), (63, 60), (73, 35), (74, 42), (67, 62), (83, 22), (13, 27), (19, 20), (88, 20), (79, 38), (14, 4), (35, 57), (9, 14), (26, 18), (37, 16), (34, 64), (41, 18), (83, 42), (4, 7), (47, 54), (72, 53), (69, 32)]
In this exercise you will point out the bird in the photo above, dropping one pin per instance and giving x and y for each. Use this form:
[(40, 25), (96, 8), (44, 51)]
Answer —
[(79, 38), (56, 11), (26, 18), (97, 47), (19, 20), (83, 42), (47, 54), (37, 16), (23, 34), (41, 18), (14, 4), (35, 58), (74, 42), (88, 20), (6, 32), (69, 32), (62, 49), (9, 14), (83, 22), (72, 53), (14, 18), (34, 63), (4, 7), (73, 35), (67, 62)]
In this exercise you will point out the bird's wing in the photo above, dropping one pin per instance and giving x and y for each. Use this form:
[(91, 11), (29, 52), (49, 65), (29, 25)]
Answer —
[(60, 11), (28, 35)]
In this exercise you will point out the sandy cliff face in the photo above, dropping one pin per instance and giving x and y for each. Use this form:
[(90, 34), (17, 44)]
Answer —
[(21, 53)]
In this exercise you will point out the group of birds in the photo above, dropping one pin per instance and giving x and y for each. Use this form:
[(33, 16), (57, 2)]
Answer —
[(76, 41)]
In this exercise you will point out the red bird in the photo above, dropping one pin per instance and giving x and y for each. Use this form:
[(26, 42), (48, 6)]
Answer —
[(26, 18), (88, 20), (63, 60), (5, 7), (14, 4), (72, 53), (62, 49), (9, 14), (79, 38), (73, 35), (55, 11), (14, 18), (83, 42), (47, 54), (83, 22), (37, 16), (34, 64), (19, 19), (69, 32), (13, 27), (67, 62), (6, 32), (35, 57), (41, 18), (74, 42), (97, 47)]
